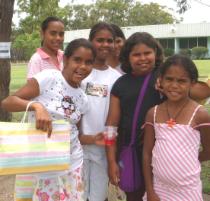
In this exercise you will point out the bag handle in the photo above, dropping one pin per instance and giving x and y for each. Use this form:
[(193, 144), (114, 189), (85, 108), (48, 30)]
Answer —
[(25, 114), (138, 107)]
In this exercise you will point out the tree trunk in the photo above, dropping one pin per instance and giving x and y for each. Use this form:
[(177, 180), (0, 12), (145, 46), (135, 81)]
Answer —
[(6, 13)]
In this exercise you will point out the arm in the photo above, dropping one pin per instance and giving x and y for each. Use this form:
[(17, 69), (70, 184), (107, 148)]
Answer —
[(113, 120), (19, 101), (149, 142), (97, 139), (204, 117), (200, 91)]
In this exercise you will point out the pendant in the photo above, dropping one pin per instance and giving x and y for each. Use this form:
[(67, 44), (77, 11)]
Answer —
[(171, 122)]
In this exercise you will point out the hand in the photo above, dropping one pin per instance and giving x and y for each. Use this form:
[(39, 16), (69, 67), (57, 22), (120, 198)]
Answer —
[(99, 139), (152, 197), (114, 173), (43, 119), (158, 85)]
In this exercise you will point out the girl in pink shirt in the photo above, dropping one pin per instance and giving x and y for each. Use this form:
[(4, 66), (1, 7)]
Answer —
[(49, 56)]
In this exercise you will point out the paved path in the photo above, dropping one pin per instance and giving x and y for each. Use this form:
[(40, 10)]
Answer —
[(7, 189)]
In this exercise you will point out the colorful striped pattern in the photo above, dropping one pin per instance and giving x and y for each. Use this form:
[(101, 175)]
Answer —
[(23, 149)]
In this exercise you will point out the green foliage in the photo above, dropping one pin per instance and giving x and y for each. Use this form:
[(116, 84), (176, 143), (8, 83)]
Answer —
[(186, 52), (199, 52), (120, 12), (168, 52), (28, 43)]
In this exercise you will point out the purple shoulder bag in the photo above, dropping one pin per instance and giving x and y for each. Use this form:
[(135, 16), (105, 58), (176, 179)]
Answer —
[(130, 175)]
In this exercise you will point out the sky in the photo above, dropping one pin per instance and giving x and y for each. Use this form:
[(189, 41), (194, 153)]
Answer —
[(199, 11)]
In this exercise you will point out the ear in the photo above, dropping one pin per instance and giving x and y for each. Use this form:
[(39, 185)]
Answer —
[(42, 35)]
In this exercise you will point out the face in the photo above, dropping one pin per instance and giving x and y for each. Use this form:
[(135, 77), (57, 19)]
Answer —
[(103, 42), (78, 66), (142, 59), (53, 36), (118, 44), (176, 83)]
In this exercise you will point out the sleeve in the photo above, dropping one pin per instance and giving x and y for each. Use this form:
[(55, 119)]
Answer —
[(34, 65), (45, 79), (116, 88)]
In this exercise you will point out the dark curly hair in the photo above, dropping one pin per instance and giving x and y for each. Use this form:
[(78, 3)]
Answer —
[(183, 61), (140, 38)]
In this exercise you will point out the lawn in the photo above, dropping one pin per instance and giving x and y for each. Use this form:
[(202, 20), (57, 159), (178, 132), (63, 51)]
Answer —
[(18, 79)]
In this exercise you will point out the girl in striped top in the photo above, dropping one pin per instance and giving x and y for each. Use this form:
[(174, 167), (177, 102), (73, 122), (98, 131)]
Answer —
[(173, 133)]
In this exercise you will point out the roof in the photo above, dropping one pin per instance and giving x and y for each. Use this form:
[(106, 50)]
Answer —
[(158, 31)]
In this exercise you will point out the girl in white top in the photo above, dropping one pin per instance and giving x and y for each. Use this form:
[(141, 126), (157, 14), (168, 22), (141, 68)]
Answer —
[(97, 86), (57, 95)]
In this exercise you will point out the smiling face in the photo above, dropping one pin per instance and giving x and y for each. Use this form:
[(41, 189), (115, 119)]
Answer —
[(53, 36), (103, 43), (176, 83), (78, 66), (142, 59)]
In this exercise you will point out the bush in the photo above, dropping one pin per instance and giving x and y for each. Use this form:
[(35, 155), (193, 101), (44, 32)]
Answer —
[(199, 52), (185, 52), (168, 52)]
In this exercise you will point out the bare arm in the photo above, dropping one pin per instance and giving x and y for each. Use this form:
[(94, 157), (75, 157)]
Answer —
[(200, 91), (113, 120), (97, 139), (149, 142), (19, 101), (204, 117)]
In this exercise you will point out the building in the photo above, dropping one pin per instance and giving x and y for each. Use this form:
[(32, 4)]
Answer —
[(174, 36)]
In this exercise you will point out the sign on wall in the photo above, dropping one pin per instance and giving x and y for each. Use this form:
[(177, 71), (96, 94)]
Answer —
[(5, 50)]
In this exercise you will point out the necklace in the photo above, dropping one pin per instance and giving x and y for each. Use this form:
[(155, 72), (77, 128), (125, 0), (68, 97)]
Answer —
[(172, 121)]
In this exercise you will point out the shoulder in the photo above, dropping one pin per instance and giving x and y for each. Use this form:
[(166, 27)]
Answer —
[(202, 115)]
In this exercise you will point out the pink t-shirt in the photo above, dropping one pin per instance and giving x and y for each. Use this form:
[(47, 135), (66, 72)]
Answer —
[(41, 60)]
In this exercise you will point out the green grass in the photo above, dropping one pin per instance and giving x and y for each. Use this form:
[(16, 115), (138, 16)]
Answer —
[(18, 79)]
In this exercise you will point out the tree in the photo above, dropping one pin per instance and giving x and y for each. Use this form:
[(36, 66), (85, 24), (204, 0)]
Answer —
[(120, 12), (6, 13), (183, 5)]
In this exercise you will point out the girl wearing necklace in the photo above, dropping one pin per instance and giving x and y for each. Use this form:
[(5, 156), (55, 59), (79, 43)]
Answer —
[(174, 131)]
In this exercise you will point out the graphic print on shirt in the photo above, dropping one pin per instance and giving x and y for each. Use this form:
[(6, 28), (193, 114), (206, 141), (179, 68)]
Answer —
[(99, 90)]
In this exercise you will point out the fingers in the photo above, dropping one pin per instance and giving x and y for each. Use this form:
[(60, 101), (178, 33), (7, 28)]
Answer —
[(44, 125)]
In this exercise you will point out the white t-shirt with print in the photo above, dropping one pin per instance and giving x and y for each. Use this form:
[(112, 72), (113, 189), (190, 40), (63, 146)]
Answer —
[(63, 102), (97, 87)]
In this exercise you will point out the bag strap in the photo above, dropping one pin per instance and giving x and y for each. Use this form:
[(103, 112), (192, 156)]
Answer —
[(27, 107), (138, 107)]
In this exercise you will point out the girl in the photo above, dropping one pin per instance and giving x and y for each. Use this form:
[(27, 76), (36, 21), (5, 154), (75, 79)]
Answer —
[(49, 56), (173, 132), (119, 41), (97, 86), (57, 95), (140, 56)]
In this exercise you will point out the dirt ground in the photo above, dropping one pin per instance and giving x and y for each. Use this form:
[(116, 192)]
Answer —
[(7, 189)]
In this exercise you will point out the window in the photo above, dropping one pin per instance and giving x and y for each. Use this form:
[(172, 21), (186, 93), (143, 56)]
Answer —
[(202, 41)]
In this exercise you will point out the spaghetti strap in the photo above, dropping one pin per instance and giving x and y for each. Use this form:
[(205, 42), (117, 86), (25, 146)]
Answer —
[(196, 109), (155, 112), (200, 125)]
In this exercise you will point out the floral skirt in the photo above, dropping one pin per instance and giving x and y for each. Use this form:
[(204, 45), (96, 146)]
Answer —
[(68, 187)]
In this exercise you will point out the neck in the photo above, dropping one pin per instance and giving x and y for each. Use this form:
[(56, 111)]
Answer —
[(100, 64), (69, 81), (113, 62), (50, 52)]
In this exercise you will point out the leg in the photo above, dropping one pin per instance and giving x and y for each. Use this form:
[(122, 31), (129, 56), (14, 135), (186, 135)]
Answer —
[(86, 178), (98, 181)]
